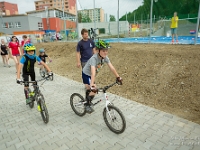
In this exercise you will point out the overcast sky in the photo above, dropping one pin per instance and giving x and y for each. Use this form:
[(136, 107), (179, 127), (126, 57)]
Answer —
[(109, 6)]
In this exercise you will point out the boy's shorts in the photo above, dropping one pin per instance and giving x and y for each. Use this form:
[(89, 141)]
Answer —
[(86, 79), (173, 30), (26, 77)]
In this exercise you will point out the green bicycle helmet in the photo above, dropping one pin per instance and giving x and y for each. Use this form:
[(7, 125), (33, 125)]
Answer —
[(29, 47), (101, 44)]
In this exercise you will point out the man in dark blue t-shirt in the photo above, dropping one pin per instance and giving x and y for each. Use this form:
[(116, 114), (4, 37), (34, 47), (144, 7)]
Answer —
[(85, 49)]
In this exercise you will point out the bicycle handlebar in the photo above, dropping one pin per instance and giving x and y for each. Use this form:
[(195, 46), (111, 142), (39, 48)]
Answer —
[(104, 88), (45, 78)]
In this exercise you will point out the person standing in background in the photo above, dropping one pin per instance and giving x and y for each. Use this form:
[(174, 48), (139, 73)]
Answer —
[(85, 49), (23, 42), (15, 50), (174, 26), (4, 53)]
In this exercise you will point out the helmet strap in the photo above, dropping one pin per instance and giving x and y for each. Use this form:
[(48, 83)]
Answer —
[(100, 57)]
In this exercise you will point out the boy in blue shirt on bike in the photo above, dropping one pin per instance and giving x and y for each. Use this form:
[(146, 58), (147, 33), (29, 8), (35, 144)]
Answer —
[(27, 63)]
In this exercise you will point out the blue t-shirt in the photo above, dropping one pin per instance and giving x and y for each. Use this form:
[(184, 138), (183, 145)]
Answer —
[(85, 49), (23, 59)]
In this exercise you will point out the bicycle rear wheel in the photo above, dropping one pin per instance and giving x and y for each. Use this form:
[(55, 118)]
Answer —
[(43, 108), (115, 121), (76, 102)]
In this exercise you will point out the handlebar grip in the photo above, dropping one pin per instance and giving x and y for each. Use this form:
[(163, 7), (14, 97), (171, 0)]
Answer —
[(94, 90)]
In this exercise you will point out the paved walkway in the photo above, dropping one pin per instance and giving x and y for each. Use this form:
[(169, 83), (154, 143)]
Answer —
[(147, 128)]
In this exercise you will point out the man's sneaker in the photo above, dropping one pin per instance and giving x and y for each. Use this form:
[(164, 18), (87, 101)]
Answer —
[(28, 101), (89, 109)]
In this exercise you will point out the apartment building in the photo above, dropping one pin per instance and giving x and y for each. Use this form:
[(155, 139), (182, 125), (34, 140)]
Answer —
[(69, 5), (96, 14), (7, 8), (52, 19)]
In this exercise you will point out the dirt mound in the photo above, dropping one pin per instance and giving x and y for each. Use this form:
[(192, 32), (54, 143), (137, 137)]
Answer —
[(165, 77)]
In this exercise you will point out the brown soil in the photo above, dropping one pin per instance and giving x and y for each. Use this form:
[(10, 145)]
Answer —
[(165, 77)]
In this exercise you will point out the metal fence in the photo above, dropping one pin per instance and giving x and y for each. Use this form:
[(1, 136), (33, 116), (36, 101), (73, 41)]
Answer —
[(188, 24), (99, 17)]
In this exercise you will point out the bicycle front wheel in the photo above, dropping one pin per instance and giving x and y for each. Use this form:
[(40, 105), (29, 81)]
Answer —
[(31, 104), (43, 109), (114, 119), (76, 102), (42, 72)]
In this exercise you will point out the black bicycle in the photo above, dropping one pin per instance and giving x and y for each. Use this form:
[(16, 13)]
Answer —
[(37, 96), (112, 116), (92, 33)]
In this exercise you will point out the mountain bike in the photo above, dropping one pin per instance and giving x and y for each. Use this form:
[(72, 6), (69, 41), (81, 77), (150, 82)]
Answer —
[(111, 114), (92, 33), (95, 36), (37, 96), (43, 71)]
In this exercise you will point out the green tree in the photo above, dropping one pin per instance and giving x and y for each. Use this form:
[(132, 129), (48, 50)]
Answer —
[(164, 8), (79, 17), (112, 18), (85, 18)]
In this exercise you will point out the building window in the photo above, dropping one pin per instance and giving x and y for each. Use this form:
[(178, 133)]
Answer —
[(17, 24), (10, 25), (40, 26), (5, 25)]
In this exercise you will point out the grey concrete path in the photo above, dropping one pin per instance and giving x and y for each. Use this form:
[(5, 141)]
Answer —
[(147, 128)]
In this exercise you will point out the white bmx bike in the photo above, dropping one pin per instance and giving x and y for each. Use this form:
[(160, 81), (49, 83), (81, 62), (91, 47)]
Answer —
[(112, 116)]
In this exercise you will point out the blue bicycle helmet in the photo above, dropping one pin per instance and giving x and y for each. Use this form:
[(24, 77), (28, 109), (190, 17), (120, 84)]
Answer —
[(42, 50)]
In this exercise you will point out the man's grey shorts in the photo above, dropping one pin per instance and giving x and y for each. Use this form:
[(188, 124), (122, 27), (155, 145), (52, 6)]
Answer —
[(83, 64)]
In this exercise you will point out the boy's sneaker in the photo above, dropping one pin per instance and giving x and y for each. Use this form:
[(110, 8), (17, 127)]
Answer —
[(28, 101), (89, 108)]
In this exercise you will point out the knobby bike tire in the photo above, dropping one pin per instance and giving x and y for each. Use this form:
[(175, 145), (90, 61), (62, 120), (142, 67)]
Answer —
[(31, 105), (117, 131), (44, 112), (42, 72), (72, 104)]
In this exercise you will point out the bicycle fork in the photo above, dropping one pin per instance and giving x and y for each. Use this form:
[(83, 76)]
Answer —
[(108, 103), (38, 100)]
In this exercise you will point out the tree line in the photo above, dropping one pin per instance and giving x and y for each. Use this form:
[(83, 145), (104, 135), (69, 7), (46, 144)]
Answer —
[(164, 9)]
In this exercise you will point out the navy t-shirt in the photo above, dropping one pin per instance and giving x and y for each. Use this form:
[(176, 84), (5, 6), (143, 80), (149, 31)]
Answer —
[(85, 49)]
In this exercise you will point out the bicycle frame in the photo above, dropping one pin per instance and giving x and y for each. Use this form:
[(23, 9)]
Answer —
[(105, 97), (36, 89)]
